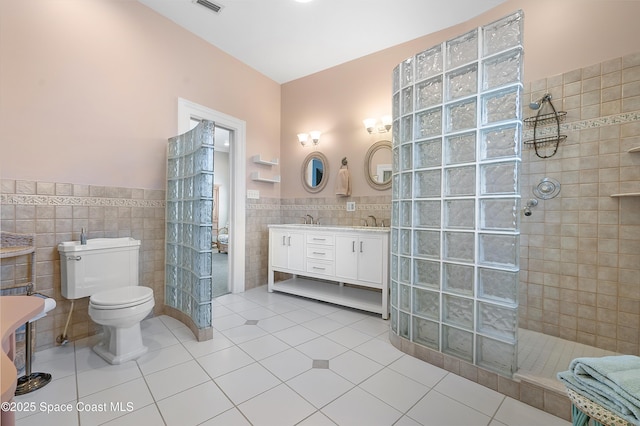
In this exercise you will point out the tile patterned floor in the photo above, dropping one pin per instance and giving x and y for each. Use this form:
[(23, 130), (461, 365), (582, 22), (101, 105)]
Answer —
[(274, 360)]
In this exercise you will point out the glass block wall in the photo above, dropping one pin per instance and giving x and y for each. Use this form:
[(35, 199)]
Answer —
[(188, 285), (455, 197)]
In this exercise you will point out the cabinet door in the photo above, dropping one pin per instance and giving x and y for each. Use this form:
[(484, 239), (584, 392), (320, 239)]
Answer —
[(296, 254), (347, 256), (279, 249), (370, 258)]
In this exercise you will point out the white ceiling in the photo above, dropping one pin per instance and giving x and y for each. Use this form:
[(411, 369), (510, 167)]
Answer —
[(286, 40)]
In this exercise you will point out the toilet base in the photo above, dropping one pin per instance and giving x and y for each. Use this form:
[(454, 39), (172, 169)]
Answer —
[(120, 345)]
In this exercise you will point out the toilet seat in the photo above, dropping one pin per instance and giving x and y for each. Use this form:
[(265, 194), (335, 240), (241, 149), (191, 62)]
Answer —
[(122, 297)]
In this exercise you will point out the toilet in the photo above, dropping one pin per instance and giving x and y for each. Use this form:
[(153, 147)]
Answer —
[(106, 271)]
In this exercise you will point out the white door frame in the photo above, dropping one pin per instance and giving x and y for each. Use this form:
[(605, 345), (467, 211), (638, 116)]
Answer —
[(237, 159)]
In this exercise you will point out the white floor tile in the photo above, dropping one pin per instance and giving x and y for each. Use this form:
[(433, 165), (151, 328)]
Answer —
[(96, 380), (358, 407), (57, 418), (300, 315), (319, 386), (264, 347), (231, 417), (348, 316), (58, 367), (145, 416), (130, 395), (381, 351), (170, 323), (354, 367), (317, 419), (228, 321), (152, 326), (395, 389), (276, 323), (348, 337), (224, 361), (418, 370), (242, 305), (321, 348), (161, 359), (470, 393), (436, 409), (287, 364), (243, 333), (247, 382), (257, 313), (323, 325), (183, 334), (58, 391), (54, 353), (296, 335), (206, 347), (372, 326), (159, 340), (194, 405), (281, 306), (516, 413), (173, 380), (87, 359), (219, 311), (406, 421), (260, 410)]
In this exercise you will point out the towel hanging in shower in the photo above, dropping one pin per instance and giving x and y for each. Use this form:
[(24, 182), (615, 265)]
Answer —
[(343, 182)]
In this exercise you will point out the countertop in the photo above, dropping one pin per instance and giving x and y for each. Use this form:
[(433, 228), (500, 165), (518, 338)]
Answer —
[(331, 228), (14, 311)]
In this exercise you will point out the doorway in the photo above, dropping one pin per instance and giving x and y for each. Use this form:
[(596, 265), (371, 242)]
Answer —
[(232, 130)]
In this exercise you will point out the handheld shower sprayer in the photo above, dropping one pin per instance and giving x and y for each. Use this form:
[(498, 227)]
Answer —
[(531, 203)]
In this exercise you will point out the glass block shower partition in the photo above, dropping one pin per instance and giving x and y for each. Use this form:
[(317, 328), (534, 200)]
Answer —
[(188, 280), (455, 195)]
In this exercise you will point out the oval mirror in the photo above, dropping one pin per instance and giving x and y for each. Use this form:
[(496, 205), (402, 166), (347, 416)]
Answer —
[(377, 165), (315, 172)]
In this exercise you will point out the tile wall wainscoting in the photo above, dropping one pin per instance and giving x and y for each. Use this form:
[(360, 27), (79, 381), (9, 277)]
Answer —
[(56, 212)]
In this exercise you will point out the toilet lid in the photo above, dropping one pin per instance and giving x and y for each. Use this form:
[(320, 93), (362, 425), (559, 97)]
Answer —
[(121, 297)]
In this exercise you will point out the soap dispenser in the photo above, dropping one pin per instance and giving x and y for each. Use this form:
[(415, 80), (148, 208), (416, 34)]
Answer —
[(83, 237)]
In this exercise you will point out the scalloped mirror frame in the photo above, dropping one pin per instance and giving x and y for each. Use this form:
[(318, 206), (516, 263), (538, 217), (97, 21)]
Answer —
[(325, 172), (367, 165)]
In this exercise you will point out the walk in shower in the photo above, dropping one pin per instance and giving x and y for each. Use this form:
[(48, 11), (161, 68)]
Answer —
[(455, 196), (474, 276)]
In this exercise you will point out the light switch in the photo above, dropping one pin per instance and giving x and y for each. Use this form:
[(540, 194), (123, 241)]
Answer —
[(351, 206), (253, 194)]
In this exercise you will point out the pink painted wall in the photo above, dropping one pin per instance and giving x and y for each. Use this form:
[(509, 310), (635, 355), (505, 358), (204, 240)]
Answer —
[(89, 92), (559, 36)]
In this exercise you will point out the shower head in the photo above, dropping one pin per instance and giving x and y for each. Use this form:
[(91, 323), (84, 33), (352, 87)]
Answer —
[(537, 104)]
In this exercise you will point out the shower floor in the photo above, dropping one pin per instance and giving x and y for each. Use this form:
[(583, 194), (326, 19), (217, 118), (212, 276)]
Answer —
[(541, 357)]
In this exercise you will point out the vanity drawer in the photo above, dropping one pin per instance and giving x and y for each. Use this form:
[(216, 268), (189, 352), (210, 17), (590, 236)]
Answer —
[(319, 267), (324, 239), (320, 252)]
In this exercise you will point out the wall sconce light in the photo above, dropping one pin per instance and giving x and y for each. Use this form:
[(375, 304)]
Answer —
[(314, 135), (382, 125)]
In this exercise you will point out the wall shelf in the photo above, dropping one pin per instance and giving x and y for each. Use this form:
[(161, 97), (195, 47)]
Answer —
[(626, 194), (258, 160), (636, 149), (256, 177)]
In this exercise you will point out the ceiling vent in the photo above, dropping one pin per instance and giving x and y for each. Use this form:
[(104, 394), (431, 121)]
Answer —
[(209, 5)]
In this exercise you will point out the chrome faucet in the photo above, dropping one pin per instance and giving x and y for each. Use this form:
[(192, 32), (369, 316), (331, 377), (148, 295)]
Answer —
[(308, 216), (374, 220)]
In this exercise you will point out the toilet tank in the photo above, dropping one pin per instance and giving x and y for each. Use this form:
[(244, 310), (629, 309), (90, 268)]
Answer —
[(101, 264)]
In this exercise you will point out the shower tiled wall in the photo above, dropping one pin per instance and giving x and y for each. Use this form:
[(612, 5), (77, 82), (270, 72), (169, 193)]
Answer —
[(56, 212), (580, 251)]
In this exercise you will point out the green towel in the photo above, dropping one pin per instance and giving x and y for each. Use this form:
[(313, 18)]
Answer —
[(611, 381)]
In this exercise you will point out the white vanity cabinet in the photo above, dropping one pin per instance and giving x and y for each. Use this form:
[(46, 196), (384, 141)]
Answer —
[(286, 250), (347, 266)]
